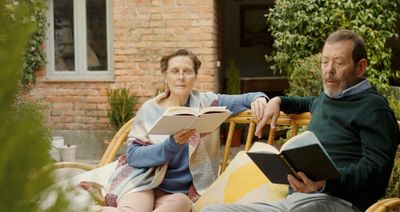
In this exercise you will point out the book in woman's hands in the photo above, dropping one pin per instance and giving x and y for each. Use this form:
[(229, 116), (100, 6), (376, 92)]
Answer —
[(175, 119), (303, 153)]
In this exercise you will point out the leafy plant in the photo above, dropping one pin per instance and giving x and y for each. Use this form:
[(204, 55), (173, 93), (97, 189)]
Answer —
[(393, 189), (122, 104), (34, 54), (305, 79), (232, 79), (299, 29), (25, 140), (394, 101)]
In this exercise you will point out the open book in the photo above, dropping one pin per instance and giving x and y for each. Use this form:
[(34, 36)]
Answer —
[(302, 152), (175, 119)]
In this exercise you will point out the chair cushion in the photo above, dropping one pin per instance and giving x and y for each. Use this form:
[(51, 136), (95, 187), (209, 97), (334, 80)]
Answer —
[(241, 182)]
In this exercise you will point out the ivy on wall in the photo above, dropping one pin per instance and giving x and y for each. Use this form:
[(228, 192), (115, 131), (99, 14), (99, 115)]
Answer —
[(299, 29), (34, 56)]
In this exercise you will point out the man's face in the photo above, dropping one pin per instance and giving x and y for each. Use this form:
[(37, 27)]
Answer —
[(338, 69)]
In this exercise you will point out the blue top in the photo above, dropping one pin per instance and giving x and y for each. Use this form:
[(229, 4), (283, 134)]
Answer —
[(178, 177)]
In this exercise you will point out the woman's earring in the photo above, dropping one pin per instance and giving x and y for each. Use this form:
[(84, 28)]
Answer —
[(166, 88)]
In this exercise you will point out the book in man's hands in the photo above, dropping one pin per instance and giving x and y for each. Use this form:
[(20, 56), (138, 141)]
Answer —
[(302, 152), (175, 119)]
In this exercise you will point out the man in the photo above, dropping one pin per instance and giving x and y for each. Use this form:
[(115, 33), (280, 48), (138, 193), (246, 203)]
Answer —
[(354, 124)]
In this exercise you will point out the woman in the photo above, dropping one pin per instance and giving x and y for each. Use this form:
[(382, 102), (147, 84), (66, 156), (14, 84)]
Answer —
[(167, 173)]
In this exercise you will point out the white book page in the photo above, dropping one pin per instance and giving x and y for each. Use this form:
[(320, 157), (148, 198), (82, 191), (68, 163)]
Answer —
[(263, 147), (181, 111), (214, 109), (305, 138), (209, 121)]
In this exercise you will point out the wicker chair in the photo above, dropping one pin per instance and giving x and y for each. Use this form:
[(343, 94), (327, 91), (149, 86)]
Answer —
[(385, 205)]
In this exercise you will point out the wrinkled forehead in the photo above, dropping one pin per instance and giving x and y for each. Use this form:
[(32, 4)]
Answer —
[(342, 49), (180, 61)]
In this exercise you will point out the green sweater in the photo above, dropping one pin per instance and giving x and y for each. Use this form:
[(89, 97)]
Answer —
[(361, 135)]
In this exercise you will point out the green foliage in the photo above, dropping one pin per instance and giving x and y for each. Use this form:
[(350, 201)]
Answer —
[(34, 54), (122, 104), (393, 189), (25, 141), (299, 29), (232, 79), (305, 79), (394, 101)]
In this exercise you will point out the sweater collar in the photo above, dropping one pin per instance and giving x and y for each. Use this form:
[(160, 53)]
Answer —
[(358, 88)]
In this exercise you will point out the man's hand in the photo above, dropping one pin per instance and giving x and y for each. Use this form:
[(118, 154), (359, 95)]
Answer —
[(305, 185), (182, 136), (271, 111)]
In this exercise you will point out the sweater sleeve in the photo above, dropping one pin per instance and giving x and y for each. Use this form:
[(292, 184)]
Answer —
[(296, 104), (142, 156), (238, 103)]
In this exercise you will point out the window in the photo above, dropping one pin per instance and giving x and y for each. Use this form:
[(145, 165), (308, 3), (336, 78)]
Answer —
[(79, 40)]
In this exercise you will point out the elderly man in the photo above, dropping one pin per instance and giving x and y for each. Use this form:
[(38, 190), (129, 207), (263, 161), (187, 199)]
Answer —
[(354, 124)]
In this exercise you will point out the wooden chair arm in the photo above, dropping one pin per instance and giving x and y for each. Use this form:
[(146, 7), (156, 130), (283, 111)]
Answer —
[(75, 165), (246, 117), (389, 204)]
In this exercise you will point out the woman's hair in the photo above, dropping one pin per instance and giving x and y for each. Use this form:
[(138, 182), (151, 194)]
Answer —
[(359, 50), (180, 52)]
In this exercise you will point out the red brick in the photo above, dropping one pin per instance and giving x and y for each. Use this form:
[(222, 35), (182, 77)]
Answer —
[(97, 99), (143, 31)]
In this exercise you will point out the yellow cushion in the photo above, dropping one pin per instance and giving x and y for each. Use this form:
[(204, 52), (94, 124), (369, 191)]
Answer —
[(241, 182)]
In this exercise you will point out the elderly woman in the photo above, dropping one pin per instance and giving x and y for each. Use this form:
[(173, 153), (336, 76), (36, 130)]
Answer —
[(168, 172)]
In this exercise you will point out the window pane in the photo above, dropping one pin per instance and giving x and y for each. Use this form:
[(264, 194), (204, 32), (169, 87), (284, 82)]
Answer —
[(96, 35), (64, 35)]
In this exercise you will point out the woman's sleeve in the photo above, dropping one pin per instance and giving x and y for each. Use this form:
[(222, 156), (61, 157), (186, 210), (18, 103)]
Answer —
[(142, 156), (238, 103), (142, 152)]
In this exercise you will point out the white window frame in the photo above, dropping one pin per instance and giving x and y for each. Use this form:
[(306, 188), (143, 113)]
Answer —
[(81, 73)]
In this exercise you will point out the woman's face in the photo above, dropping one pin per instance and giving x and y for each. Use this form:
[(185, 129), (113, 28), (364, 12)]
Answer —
[(180, 75)]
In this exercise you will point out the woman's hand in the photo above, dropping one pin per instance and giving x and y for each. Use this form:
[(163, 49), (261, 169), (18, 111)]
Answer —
[(182, 136), (257, 107), (305, 185), (271, 111)]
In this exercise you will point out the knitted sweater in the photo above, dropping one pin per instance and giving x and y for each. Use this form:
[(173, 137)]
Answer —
[(360, 134)]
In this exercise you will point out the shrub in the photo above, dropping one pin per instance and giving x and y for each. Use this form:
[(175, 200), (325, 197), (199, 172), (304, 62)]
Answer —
[(299, 29), (393, 189), (393, 98), (232, 79), (25, 141), (305, 79), (122, 104)]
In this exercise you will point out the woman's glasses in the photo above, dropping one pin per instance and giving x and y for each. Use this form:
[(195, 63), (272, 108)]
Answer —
[(185, 73)]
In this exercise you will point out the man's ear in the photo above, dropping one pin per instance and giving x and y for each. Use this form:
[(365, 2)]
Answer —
[(361, 67)]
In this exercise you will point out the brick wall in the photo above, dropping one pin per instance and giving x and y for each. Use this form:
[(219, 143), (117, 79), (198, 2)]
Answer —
[(143, 31)]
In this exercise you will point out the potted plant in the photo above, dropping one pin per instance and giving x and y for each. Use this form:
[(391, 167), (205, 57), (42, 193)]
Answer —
[(233, 87), (122, 104), (68, 152)]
